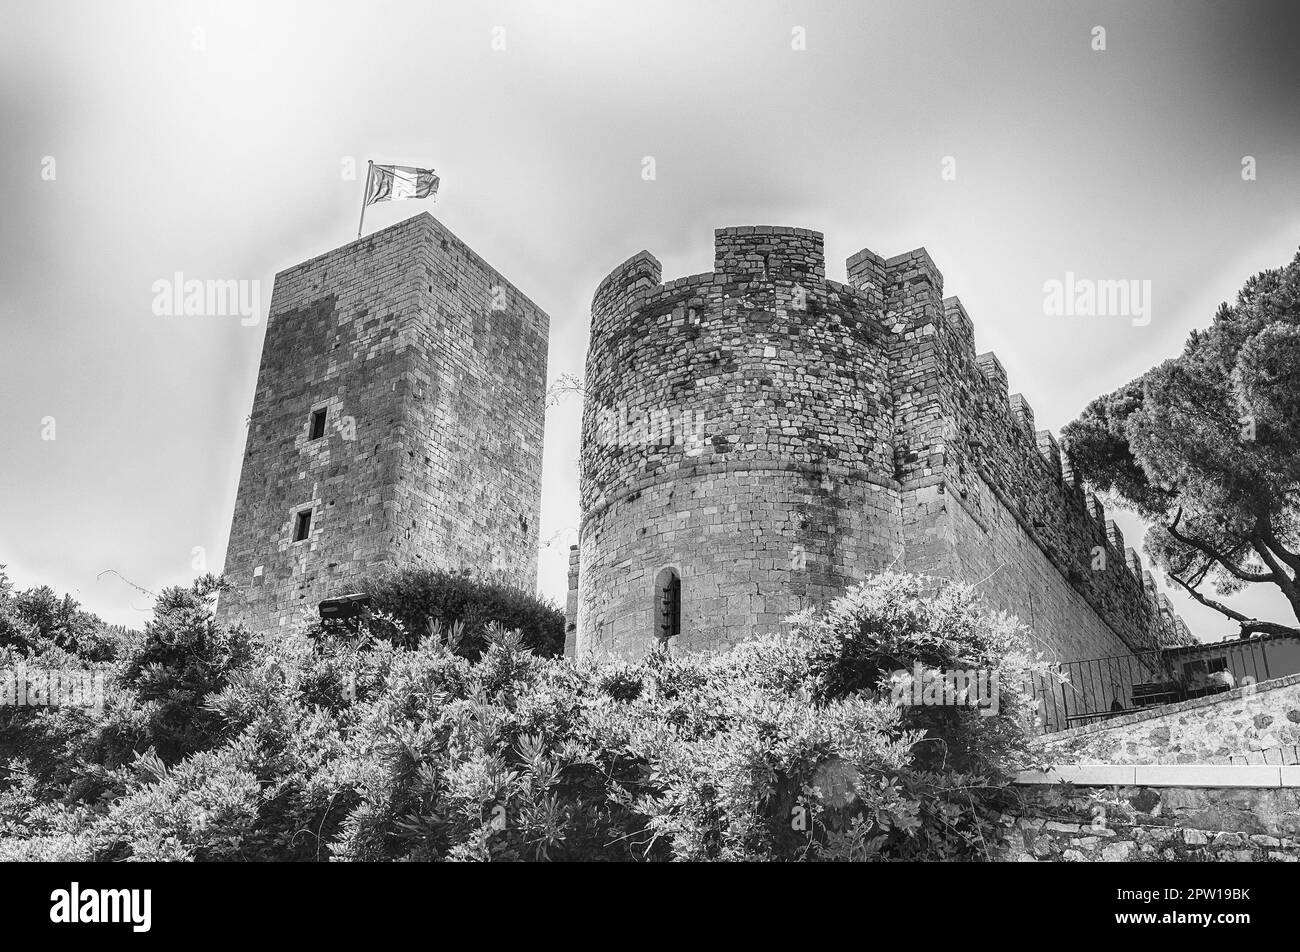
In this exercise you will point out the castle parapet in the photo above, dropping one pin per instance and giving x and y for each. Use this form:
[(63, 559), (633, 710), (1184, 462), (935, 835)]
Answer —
[(1050, 452), (826, 429), (958, 428), (635, 278), (993, 370), (1024, 414), (959, 321), (769, 253)]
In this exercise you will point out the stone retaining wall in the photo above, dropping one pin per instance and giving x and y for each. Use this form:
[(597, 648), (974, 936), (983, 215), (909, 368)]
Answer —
[(1063, 823), (1257, 724)]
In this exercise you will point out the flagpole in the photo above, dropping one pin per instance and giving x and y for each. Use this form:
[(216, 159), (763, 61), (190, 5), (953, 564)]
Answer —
[(370, 170)]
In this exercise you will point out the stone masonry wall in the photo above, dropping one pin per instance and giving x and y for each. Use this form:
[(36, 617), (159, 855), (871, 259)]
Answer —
[(469, 487), (818, 432), (1155, 824), (432, 452), (737, 428), (729, 534), (991, 550), (1259, 724), (956, 427), (763, 370)]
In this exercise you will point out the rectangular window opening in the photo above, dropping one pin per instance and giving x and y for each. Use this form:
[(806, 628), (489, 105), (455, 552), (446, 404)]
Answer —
[(302, 525), (318, 423)]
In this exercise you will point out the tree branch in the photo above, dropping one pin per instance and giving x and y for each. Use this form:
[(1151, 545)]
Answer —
[(1220, 557), (1284, 581), (1270, 539), (1211, 603), (1248, 625), (1268, 628)]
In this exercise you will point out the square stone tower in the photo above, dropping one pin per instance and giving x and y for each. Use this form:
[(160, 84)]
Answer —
[(397, 422)]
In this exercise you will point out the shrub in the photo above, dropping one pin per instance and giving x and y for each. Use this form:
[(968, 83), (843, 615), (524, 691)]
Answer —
[(36, 619), (182, 658), (335, 747), (155, 682), (419, 598)]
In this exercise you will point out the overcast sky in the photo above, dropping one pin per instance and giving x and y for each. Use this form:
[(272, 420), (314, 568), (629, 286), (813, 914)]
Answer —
[(211, 139)]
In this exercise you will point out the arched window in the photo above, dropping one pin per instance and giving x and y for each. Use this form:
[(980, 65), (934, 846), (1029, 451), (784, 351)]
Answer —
[(668, 604)]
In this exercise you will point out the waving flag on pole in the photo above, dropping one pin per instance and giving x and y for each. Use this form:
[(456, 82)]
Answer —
[(388, 183), (391, 183)]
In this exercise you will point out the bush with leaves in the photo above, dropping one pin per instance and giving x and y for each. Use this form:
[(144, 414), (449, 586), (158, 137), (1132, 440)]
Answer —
[(323, 745), (420, 598), (155, 684), (36, 619)]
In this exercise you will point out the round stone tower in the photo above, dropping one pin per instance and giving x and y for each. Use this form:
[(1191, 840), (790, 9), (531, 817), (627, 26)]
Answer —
[(737, 445)]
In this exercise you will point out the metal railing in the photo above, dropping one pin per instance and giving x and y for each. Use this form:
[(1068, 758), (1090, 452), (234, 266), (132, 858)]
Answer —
[(1102, 688)]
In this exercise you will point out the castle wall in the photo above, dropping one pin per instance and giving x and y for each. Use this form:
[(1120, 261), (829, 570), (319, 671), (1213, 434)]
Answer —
[(432, 452), (751, 546), (705, 448), (944, 538), (1013, 506), (469, 485), (876, 387)]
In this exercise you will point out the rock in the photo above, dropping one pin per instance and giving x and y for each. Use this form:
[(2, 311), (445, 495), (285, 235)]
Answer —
[(1087, 842), (1262, 721), (1195, 838), (1277, 857), (1117, 852), (1146, 801), (1056, 827), (1015, 851), (1227, 839), (1074, 856), (1259, 839)]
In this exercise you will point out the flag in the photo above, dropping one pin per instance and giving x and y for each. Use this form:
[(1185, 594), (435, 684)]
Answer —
[(390, 183)]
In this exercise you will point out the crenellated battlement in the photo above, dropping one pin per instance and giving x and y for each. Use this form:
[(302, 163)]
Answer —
[(966, 431), (819, 404), (625, 286), (769, 253), (760, 258)]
